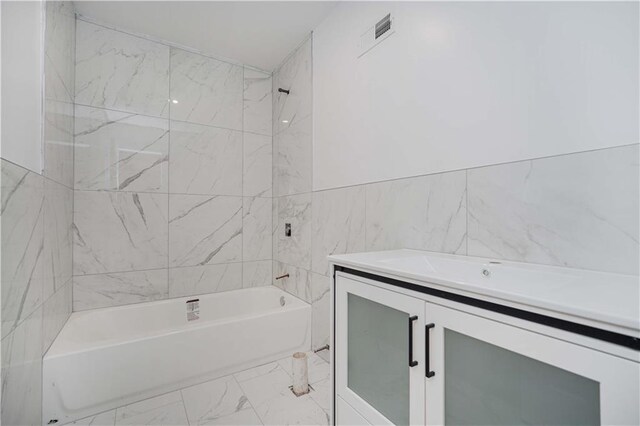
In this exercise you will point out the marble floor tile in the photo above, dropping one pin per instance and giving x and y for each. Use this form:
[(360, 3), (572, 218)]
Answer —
[(256, 396), (210, 401), (318, 368), (258, 371), (275, 404), (166, 410), (103, 419), (321, 394), (246, 417)]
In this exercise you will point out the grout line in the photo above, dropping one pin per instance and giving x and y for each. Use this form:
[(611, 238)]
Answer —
[(184, 406), (169, 191), (167, 43), (167, 117), (238, 262), (242, 172), (466, 191), (626, 145), (245, 393)]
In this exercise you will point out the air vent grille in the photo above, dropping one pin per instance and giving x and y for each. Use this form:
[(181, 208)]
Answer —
[(383, 26)]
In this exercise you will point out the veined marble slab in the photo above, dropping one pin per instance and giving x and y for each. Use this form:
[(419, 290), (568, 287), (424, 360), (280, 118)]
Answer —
[(58, 236), (257, 102), (256, 273), (119, 231), (204, 230), (293, 75), (579, 210), (427, 213), (205, 160), (22, 244), (22, 373), (205, 90), (120, 71), (256, 228), (59, 51), (194, 280), (293, 159), (58, 141), (115, 289), (120, 151), (257, 164), (338, 225), (296, 249)]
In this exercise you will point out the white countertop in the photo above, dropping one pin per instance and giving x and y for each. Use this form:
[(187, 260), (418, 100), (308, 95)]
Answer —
[(606, 298)]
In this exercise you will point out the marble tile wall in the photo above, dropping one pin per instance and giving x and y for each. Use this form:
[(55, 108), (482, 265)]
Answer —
[(36, 239), (578, 210), (173, 172)]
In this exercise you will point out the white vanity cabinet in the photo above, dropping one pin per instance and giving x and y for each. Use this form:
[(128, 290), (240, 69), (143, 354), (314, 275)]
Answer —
[(405, 357)]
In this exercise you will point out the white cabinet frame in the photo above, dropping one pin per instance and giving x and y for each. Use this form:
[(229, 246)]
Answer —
[(619, 378), (400, 302), (615, 368)]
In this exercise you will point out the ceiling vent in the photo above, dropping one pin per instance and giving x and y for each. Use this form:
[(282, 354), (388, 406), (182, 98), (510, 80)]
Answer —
[(375, 34), (383, 26)]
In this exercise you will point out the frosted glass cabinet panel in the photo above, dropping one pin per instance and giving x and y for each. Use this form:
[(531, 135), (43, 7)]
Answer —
[(492, 373), (402, 359), (488, 385), (380, 360), (375, 344)]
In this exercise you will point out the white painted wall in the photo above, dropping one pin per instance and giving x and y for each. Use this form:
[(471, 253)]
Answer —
[(22, 69), (461, 85)]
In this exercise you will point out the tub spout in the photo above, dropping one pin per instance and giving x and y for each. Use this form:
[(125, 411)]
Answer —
[(282, 276)]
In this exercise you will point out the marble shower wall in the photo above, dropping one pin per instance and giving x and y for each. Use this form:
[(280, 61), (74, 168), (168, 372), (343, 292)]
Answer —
[(579, 210), (173, 172), (36, 219)]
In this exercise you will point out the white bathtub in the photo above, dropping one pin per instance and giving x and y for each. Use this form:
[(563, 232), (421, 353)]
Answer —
[(106, 358)]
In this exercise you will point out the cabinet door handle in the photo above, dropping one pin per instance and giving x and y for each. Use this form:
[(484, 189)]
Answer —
[(412, 362), (429, 373)]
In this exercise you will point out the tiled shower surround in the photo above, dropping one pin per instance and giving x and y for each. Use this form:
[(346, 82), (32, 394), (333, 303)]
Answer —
[(37, 215), (173, 160), (578, 210)]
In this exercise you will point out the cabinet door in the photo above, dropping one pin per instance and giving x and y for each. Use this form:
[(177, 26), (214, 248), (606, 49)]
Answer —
[(490, 373), (379, 353)]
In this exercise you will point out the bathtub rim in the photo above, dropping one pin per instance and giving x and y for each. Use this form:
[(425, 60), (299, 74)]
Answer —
[(56, 349)]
